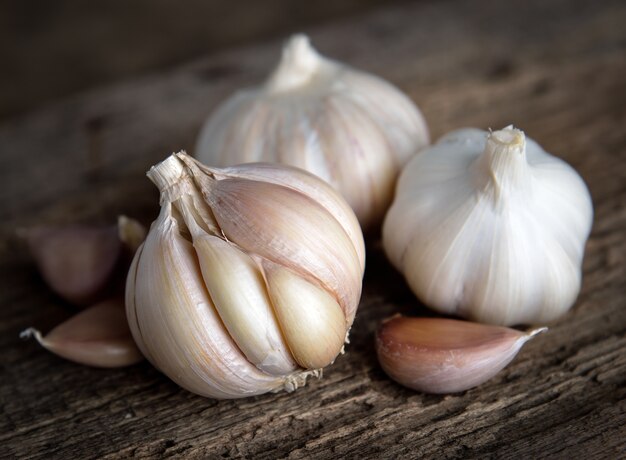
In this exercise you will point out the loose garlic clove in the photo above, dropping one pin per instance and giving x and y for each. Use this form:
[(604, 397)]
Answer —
[(236, 258), (436, 355), (97, 336), (77, 262), (82, 263), (352, 129), (490, 227)]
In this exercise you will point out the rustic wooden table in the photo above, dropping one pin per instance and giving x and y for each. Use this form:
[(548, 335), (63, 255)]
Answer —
[(555, 69)]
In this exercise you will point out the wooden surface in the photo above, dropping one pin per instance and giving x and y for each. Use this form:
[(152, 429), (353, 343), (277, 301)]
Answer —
[(82, 44), (555, 70)]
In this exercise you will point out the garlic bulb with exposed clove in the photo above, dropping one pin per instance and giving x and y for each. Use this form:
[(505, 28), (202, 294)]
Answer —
[(436, 355), (248, 280), (491, 227), (350, 128)]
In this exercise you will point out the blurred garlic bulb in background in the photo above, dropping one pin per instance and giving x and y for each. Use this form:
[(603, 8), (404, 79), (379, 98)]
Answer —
[(249, 279), (351, 128), (490, 227)]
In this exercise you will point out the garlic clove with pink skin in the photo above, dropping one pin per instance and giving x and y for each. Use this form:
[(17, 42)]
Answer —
[(75, 261), (98, 336), (436, 355), (81, 263)]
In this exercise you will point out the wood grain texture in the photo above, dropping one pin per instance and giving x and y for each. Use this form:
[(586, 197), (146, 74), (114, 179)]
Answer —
[(555, 69)]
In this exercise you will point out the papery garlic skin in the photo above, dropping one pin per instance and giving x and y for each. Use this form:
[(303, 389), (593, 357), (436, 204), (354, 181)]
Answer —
[(248, 280), (489, 226), (352, 129), (97, 336)]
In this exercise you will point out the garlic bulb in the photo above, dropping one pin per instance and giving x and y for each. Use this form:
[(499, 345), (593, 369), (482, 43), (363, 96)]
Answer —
[(249, 279), (350, 128), (489, 226), (437, 355)]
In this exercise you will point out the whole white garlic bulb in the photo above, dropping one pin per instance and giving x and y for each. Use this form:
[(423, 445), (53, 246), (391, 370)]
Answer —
[(249, 279), (350, 128), (490, 227)]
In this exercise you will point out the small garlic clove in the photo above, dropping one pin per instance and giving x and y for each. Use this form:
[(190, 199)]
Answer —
[(97, 336), (131, 233), (77, 262), (237, 289), (437, 355), (311, 319)]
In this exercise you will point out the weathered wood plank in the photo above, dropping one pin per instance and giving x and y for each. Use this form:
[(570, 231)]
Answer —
[(555, 70)]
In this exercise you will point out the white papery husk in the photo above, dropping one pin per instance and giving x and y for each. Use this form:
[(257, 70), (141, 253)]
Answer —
[(490, 227)]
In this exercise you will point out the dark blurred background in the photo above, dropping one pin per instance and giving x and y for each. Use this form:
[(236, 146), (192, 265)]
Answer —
[(51, 49)]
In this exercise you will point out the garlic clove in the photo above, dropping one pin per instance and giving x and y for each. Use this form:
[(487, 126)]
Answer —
[(187, 339), (237, 289), (267, 219), (437, 355), (307, 184), (311, 319), (97, 336), (372, 176), (300, 64), (83, 263), (75, 261), (131, 308)]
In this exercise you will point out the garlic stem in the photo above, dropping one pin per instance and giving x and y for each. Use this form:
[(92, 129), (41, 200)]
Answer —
[(171, 178), (298, 65), (502, 165)]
